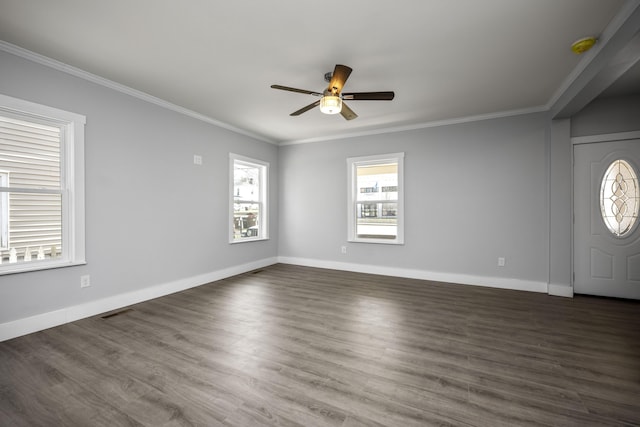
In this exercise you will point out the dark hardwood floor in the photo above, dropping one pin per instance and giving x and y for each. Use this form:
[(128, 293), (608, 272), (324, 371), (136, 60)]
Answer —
[(297, 346)]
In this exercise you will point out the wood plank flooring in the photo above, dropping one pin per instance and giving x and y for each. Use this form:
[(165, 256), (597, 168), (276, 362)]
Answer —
[(297, 346)]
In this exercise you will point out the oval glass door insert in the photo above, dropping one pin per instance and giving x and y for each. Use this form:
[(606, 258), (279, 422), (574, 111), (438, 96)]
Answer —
[(619, 197)]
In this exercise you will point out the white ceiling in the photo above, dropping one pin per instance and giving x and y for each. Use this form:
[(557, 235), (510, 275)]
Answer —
[(446, 60)]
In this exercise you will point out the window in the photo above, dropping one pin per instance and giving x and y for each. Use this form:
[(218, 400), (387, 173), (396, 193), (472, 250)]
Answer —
[(376, 199), (248, 188), (41, 187), (620, 198)]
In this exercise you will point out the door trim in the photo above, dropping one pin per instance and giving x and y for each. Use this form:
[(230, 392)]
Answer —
[(589, 139), (560, 290), (622, 136)]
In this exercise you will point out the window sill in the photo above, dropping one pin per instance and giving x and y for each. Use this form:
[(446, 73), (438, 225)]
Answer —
[(36, 266), (254, 239), (377, 241)]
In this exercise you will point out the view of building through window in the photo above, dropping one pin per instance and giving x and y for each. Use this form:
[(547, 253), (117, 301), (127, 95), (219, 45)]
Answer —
[(377, 200), (30, 191), (249, 195)]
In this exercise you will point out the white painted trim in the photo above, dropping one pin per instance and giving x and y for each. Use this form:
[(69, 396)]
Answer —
[(560, 290), (33, 109), (626, 10), (463, 279), (263, 217), (77, 72), (352, 196), (433, 124), (72, 192), (607, 137), (43, 321)]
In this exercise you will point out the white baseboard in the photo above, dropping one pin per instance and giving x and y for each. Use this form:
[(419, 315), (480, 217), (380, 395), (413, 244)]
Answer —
[(560, 290), (464, 279), (50, 319)]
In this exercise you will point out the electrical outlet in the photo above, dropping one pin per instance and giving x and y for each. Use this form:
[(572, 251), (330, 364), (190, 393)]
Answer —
[(344, 249), (501, 261), (197, 159), (85, 281)]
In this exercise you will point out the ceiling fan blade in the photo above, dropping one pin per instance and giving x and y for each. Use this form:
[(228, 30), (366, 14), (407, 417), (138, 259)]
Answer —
[(293, 89), (347, 112), (307, 108), (368, 96), (339, 77)]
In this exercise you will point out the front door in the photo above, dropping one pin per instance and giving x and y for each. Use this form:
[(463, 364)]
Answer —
[(606, 233)]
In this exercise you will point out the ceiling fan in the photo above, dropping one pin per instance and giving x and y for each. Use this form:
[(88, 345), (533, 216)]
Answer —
[(331, 100)]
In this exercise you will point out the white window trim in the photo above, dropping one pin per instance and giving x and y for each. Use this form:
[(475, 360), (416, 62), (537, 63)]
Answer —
[(263, 219), (73, 189), (4, 206), (352, 195)]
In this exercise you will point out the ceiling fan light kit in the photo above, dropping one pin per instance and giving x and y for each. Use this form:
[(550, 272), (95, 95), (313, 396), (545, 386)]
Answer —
[(330, 104), (331, 100)]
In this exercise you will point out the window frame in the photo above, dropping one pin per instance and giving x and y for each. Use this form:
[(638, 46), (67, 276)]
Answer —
[(352, 196), (263, 186), (4, 211), (72, 175), (605, 216)]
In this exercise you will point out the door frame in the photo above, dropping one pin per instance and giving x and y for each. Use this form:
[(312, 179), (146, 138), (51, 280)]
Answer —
[(590, 139)]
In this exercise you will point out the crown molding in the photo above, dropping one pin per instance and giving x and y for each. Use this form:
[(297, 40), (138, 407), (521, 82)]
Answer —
[(437, 123), (576, 74), (77, 72)]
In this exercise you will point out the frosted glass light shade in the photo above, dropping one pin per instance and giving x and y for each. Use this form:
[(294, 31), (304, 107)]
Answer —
[(331, 104)]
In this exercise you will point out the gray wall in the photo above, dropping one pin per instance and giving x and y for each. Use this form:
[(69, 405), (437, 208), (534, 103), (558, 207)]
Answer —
[(560, 213), (607, 115), (152, 216), (474, 192)]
